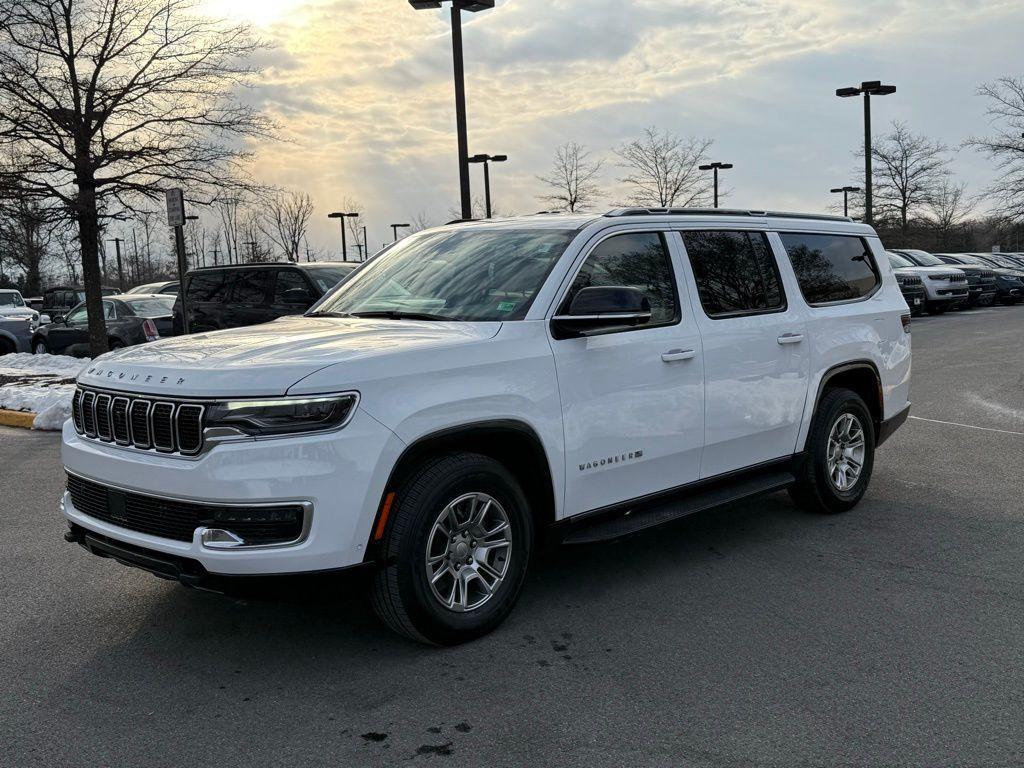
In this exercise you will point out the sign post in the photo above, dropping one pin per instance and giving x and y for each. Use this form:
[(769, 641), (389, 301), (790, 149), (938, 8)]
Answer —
[(176, 219)]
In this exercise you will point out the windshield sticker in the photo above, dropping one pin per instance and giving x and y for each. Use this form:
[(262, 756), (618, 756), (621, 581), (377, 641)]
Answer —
[(506, 306)]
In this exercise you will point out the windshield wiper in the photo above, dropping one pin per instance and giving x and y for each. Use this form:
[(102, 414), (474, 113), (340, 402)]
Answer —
[(399, 314), (328, 314)]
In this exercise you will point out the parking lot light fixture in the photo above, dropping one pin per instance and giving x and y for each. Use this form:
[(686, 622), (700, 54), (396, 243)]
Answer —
[(394, 231), (868, 88), (846, 192), (487, 160), (716, 167), (341, 216), (458, 6)]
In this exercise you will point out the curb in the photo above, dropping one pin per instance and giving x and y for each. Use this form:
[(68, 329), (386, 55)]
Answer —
[(23, 419)]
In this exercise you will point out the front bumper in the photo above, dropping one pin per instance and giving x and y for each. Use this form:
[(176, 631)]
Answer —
[(339, 476)]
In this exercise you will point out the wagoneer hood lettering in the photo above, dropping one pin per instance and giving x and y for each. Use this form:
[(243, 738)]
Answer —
[(268, 359)]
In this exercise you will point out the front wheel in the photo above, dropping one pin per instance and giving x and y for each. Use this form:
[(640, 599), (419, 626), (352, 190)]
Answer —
[(39, 347), (841, 455), (456, 550)]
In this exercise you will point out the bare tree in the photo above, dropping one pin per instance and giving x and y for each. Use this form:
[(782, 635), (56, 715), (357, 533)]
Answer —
[(572, 179), (909, 171), (27, 228), (1006, 145), (663, 170), (948, 211), (354, 225), (114, 100), (253, 245), (421, 221), (229, 210), (285, 220)]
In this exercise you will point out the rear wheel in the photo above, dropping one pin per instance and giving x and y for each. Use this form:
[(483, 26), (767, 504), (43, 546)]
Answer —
[(841, 455), (40, 348), (113, 344), (456, 549)]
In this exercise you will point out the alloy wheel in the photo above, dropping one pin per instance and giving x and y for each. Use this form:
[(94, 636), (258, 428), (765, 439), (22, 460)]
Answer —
[(845, 452)]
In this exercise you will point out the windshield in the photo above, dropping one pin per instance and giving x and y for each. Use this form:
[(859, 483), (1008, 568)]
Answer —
[(151, 307), (898, 261), (11, 299), (328, 277), (925, 259), (454, 275)]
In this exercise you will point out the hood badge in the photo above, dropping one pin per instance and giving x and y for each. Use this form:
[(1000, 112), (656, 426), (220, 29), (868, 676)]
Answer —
[(110, 373)]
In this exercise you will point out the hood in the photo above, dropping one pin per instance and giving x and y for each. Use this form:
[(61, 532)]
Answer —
[(949, 269), (17, 312), (264, 360)]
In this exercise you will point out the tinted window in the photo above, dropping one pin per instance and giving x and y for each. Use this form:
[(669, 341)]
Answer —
[(735, 272), (251, 286), (635, 260), (109, 311), (207, 286), (291, 288), (77, 315), (11, 300), (831, 267), (328, 277)]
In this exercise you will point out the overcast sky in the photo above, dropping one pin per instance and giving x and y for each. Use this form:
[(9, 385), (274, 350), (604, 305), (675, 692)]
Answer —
[(363, 91)]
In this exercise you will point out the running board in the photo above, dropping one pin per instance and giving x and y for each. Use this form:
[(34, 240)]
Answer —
[(647, 515)]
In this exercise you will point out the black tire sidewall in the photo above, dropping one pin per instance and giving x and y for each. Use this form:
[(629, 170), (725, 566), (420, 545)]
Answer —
[(834, 405), (432, 620)]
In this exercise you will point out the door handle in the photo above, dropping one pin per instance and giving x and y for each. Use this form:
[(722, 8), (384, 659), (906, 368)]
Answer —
[(677, 354), (791, 338)]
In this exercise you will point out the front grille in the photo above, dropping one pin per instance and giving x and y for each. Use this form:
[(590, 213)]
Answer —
[(139, 421), (910, 280), (178, 520)]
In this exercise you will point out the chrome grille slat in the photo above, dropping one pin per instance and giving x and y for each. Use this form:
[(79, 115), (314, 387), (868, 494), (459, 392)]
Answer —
[(102, 407), (139, 421)]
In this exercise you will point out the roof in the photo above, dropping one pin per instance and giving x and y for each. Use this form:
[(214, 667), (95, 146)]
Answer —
[(299, 264)]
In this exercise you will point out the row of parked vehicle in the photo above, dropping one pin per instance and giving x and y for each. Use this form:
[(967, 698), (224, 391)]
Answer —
[(249, 294), (219, 298), (937, 282)]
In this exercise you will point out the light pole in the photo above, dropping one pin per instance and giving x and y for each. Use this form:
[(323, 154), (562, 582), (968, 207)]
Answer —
[(458, 6), (340, 216), (869, 88), (716, 167), (120, 272), (487, 160), (846, 191), (394, 231), (366, 245)]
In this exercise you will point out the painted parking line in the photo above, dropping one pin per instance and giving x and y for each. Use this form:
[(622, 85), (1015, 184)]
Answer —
[(968, 426)]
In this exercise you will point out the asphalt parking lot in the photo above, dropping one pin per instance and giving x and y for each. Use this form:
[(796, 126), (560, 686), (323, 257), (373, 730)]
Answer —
[(753, 636)]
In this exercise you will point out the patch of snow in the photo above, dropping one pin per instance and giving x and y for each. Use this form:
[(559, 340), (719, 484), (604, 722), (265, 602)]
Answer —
[(42, 384)]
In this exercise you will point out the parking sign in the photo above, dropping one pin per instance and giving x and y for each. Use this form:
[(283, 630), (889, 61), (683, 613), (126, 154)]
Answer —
[(175, 208)]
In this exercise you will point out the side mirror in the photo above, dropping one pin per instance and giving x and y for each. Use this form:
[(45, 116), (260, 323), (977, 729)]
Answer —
[(601, 308), (44, 319)]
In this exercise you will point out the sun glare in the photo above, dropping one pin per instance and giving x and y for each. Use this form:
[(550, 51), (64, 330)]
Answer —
[(259, 12)]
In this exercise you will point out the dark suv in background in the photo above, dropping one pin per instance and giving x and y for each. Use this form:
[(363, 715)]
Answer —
[(61, 299), (249, 294)]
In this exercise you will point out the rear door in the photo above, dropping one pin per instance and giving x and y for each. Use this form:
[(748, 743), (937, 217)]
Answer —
[(632, 398), (248, 301), (756, 357)]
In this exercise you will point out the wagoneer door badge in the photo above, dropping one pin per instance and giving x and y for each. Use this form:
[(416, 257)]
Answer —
[(617, 459)]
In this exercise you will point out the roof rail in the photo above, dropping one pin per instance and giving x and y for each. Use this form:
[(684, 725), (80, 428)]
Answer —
[(722, 212)]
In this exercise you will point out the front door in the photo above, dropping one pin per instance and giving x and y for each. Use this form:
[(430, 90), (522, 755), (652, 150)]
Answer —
[(756, 356), (632, 399)]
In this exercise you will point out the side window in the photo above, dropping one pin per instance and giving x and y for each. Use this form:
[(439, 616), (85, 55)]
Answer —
[(291, 288), (78, 316), (831, 267), (109, 311), (735, 272), (250, 286), (637, 260), (206, 286)]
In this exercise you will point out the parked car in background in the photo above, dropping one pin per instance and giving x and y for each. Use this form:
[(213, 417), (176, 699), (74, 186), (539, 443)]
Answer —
[(944, 287), (131, 319), (15, 335), (34, 302), (250, 294), (169, 287), (13, 307), (911, 284), (1004, 282), (61, 299)]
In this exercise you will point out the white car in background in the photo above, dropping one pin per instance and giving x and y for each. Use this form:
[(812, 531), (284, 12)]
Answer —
[(13, 307), (945, 286)]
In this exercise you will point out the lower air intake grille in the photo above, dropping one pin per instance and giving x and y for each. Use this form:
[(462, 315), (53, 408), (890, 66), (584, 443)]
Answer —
[(178, 520)]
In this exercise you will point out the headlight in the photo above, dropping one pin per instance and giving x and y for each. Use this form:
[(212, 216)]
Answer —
[(282, 416)]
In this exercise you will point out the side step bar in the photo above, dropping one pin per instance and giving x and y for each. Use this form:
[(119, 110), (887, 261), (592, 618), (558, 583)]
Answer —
[(643, 515)]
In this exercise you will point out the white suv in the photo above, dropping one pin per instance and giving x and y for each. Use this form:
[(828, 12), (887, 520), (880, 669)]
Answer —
[(478, 384)]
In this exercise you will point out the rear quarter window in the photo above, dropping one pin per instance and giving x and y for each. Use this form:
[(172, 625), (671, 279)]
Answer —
[(831, 268)]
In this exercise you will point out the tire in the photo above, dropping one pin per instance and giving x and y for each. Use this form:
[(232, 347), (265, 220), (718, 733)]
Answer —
[(113, 344), (403, 597), (40, 347), (936, 309), (6, 347), (815, 489)]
